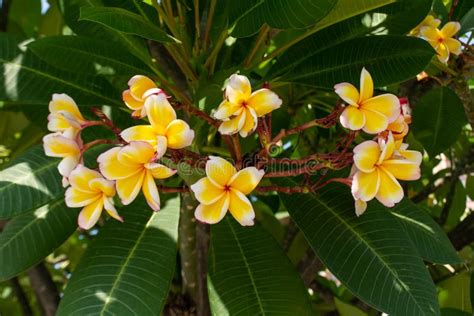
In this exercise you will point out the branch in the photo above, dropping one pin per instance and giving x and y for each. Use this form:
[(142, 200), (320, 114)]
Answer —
[(463, 234), (21, 296), (287, 190), (4, 15), (44, 288)]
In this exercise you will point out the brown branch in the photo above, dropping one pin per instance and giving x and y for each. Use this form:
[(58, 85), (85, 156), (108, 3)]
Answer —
[(287, 190), (202, 250), (21, 296), (4, 15), (196, 112), (108, 123), (164, 189), (44, 288), (453, 8), (463, 233)]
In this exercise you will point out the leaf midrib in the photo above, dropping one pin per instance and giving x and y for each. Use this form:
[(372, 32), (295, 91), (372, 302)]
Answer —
[(40, 73), (370, 248), (125, 264), (247, 267)]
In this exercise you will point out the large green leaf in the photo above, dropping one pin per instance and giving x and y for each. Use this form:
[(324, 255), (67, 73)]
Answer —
[(30, 181), (125, 21), (438, 118), (430, 240), (30, 237), (394, 18), (27, 79), (371, 255), (129, 267), (390, 59), (281, 14), (249, 274), (90, 56)]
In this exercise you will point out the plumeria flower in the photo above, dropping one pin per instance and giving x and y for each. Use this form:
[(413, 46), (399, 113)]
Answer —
[(140, 87), (378, 166), (134, 169), (442, 40), (64, 116), (430, 21), (224, 189), (363, 110), (58, 145), (164, 130), (241, 108), (92, 192)]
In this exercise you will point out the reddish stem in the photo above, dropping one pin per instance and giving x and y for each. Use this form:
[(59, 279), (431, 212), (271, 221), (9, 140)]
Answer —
[(287, 190), (108, 123), (98, 142), (197, 112), (172, 190)]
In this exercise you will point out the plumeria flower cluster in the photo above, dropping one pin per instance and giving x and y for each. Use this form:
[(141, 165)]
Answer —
[(379, 163), (442, 40), (124, 170)]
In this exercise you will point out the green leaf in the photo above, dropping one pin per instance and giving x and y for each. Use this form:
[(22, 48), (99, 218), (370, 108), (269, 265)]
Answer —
[(127, 22), (129, 267), (438, 118), (467, 22), (390, 59), (395, 18), (281, 14), (430, 240), (346, 309), (28, 80), (90, 56), (25, 21), (371, 255), (249, 274), (31, 181), (29, 238)]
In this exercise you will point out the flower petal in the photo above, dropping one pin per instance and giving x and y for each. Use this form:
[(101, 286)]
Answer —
[(110, 208), (443, 53), (390, 191), (386, 104), (375, 122), (112, 169), (179, 134), (402, 169), (139, 85), (366, 86), (365, 185), (412, 155), (250, 123), (103, 186), (450, 29), (140, 133), (454, 46), (78, 198), (135, 154), (130, 101), (219, 171), (128, 188), (366, 155), (241, 208), (56, 145), (225, 110), (352, 118), (214, 212), (388, 148), (81, 176), (68, 164), (246, 180), (161, 146), (233, 125), (431, 34), (238, 89), (347, 92), (264, 101), (160, 112), (159, 171), (63, 102), (151, 192), (360, 207), (206, 192), (90, 214)]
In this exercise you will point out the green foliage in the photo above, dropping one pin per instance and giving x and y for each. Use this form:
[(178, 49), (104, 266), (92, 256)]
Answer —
[(438, 119), (352, 249), (250, 275), (129, 267)]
